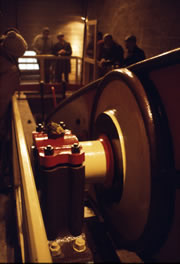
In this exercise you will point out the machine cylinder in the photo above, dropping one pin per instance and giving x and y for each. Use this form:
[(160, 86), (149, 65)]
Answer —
[(95, 161)]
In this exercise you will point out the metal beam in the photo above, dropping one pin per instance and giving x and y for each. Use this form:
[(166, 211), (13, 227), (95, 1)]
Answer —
[(31, 213)]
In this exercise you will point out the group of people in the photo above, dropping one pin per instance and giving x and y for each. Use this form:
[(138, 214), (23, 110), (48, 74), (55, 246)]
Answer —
[(111, 55), (43, 44)]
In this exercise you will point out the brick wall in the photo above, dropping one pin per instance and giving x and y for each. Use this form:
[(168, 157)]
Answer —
[(156, 24)]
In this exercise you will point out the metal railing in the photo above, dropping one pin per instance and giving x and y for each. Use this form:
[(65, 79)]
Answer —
[(31, 229), (76, 65)]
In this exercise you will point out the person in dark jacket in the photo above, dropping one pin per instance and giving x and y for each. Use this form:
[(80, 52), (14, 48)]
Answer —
[(134, 53), (110, 54), (62, 48)]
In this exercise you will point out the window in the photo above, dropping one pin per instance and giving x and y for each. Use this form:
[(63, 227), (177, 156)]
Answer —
[(28, 63)]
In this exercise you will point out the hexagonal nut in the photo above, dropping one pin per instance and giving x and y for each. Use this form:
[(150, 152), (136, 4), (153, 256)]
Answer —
[(75, 148), (49, 150), (55, 249), (79, 244), (39, 127)]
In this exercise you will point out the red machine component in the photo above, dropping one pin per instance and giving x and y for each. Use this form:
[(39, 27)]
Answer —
[(60, 172), (64, 149)]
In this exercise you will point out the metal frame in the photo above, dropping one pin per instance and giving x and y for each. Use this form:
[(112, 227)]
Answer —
[(32, 234), (42, 58), (86, 60)]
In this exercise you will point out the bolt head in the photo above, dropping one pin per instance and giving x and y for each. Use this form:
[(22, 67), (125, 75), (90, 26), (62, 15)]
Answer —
[(39, 127), (79, 244), (55, 249), (49, 150), (75, 148), (33, 150)]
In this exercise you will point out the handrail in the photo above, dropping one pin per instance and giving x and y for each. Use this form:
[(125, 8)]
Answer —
[(51, 56), (38, 243), (43, 57)]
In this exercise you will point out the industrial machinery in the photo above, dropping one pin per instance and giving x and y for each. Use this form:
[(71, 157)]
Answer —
[(97, 180)]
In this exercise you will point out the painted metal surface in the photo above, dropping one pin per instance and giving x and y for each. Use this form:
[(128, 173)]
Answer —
[(148, 163), (130, 215), (167, 82), (95, 161), (62, 149), (35, 234)]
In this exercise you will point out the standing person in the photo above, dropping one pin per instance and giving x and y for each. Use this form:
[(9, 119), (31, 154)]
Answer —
[(43, 44), (110, 54), (134, 53), (12, 46), (62, 48)]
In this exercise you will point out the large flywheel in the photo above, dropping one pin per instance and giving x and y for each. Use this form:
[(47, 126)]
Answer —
[(138, 206)]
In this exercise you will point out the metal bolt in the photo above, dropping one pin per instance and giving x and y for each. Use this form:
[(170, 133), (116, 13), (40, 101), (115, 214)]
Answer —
[(75, 148), (33, 147), (33, 150), (79, 244), (49, 150), (55, 249), (39, 127)]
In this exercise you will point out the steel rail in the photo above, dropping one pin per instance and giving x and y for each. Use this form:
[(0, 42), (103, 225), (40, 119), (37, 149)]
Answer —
[(35, 233)]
